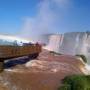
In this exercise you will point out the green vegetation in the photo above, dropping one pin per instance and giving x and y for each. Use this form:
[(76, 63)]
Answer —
[(76, 82), (83, 57), (65, 87)]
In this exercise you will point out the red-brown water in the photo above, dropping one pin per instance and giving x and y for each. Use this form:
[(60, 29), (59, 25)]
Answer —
[(45, 73)]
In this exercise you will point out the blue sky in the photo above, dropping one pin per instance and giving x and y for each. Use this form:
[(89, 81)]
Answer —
[(73, 16), (12, 12)]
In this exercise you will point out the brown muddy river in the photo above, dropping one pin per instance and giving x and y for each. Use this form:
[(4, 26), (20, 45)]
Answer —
[(46, 73)]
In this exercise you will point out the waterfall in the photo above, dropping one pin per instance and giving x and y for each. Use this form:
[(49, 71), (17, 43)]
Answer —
[(77, 43), (70, 43), (55, 43)]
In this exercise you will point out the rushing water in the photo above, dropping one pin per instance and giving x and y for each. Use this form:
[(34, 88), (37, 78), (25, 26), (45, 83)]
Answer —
[(71, 43)]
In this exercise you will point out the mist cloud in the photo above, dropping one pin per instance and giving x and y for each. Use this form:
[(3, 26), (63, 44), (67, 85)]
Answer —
[(45, 21)]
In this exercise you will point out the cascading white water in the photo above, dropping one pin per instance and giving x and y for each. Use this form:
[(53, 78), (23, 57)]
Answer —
[(77, 42), (55, 43), (70, 43)]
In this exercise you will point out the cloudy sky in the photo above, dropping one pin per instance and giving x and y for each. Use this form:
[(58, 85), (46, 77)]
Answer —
[(34, 17)]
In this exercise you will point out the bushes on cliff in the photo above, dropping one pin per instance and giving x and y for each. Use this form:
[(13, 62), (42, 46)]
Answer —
[(77, 82), (83, 57)]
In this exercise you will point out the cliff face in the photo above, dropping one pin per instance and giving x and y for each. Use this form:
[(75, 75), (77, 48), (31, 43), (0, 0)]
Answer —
[(71, 43)]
